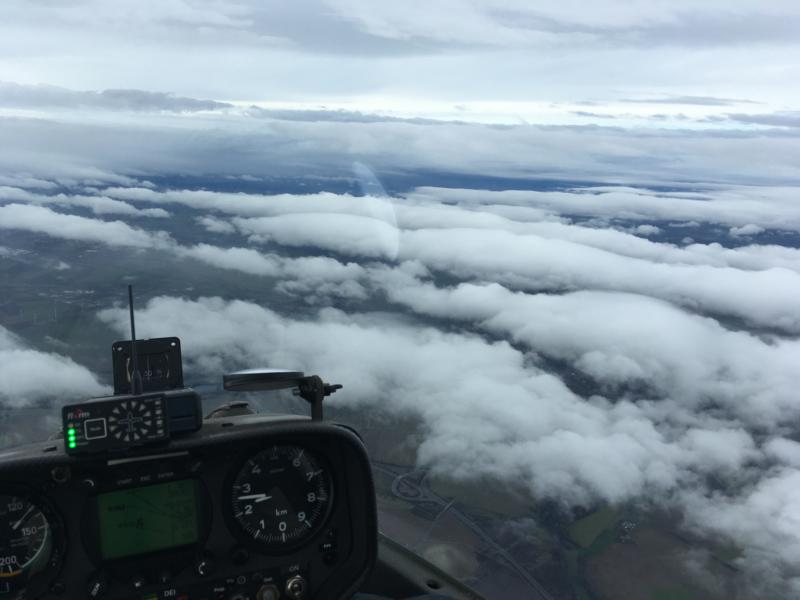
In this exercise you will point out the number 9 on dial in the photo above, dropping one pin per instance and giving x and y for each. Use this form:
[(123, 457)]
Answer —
[(280, 497)]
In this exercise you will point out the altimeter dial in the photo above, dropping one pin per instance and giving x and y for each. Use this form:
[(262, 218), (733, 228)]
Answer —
[(281, 496)]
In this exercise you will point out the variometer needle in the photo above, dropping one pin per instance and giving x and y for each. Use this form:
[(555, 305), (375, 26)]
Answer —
[(257, 497)]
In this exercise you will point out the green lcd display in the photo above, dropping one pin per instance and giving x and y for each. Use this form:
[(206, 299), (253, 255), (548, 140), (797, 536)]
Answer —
[(147, 519)]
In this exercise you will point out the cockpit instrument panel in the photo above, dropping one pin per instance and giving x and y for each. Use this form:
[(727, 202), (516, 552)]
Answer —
[(249, 507)]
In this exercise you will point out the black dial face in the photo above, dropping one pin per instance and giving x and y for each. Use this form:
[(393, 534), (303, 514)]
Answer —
[(281, 496), (26, 541), (132, 420)]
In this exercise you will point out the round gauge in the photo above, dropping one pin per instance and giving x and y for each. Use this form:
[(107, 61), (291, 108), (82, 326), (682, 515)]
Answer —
[(153, 368), (281, 496), (26, 541)]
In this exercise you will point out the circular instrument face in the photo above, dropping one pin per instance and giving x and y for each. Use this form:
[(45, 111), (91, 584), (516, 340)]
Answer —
[(281, 496), (153, 368), (26, 541)]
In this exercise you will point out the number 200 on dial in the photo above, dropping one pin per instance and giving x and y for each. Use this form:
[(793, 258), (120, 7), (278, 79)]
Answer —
[(281, 496)]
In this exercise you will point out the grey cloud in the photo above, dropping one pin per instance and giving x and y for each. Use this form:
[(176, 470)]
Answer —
[(46, 96), (213, 146), (339, 116), (681, 25), (720, 28), (517, 23), (789, 119), (593, 115)]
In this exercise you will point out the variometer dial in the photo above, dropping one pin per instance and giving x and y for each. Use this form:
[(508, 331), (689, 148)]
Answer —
[(281, 496)]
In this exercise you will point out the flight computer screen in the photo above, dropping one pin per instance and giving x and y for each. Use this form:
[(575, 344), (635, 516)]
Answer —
[(147, 519)]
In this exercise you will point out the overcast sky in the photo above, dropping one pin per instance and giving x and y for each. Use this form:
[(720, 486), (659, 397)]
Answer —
[(663, 265), (500, 60)]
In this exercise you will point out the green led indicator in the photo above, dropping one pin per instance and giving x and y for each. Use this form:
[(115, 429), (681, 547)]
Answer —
[(71, 441)]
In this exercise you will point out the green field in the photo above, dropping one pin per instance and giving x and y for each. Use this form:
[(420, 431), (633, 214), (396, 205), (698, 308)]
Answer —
[(586, 530)]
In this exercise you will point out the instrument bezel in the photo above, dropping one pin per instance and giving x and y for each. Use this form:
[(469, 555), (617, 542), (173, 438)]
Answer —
[(44, 579), (235, 527)]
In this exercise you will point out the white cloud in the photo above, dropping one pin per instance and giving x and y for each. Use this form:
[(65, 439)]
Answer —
[(534, 263), (746, 230), (349, 234), (771, 207), (532, 256), (536, 432), (245, 260), (99, 205), (27, 375), (39, 219), (214, 225), (647, 230), (622, 339), (258, 205), (312, 278)]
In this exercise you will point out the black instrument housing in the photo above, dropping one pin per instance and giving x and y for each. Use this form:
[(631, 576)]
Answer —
[(334, 562)]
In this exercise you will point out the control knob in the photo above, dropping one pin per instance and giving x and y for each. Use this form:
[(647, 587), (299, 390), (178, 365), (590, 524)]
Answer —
[(296, 588), (268, 591)]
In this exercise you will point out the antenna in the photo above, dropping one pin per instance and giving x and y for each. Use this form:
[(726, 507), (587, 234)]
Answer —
[(136, 377)]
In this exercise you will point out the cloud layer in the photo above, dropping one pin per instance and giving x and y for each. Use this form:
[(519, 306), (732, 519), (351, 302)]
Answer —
[(28, 376)]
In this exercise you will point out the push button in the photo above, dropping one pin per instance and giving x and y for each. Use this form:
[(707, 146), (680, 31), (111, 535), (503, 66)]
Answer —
[(95, 429)]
